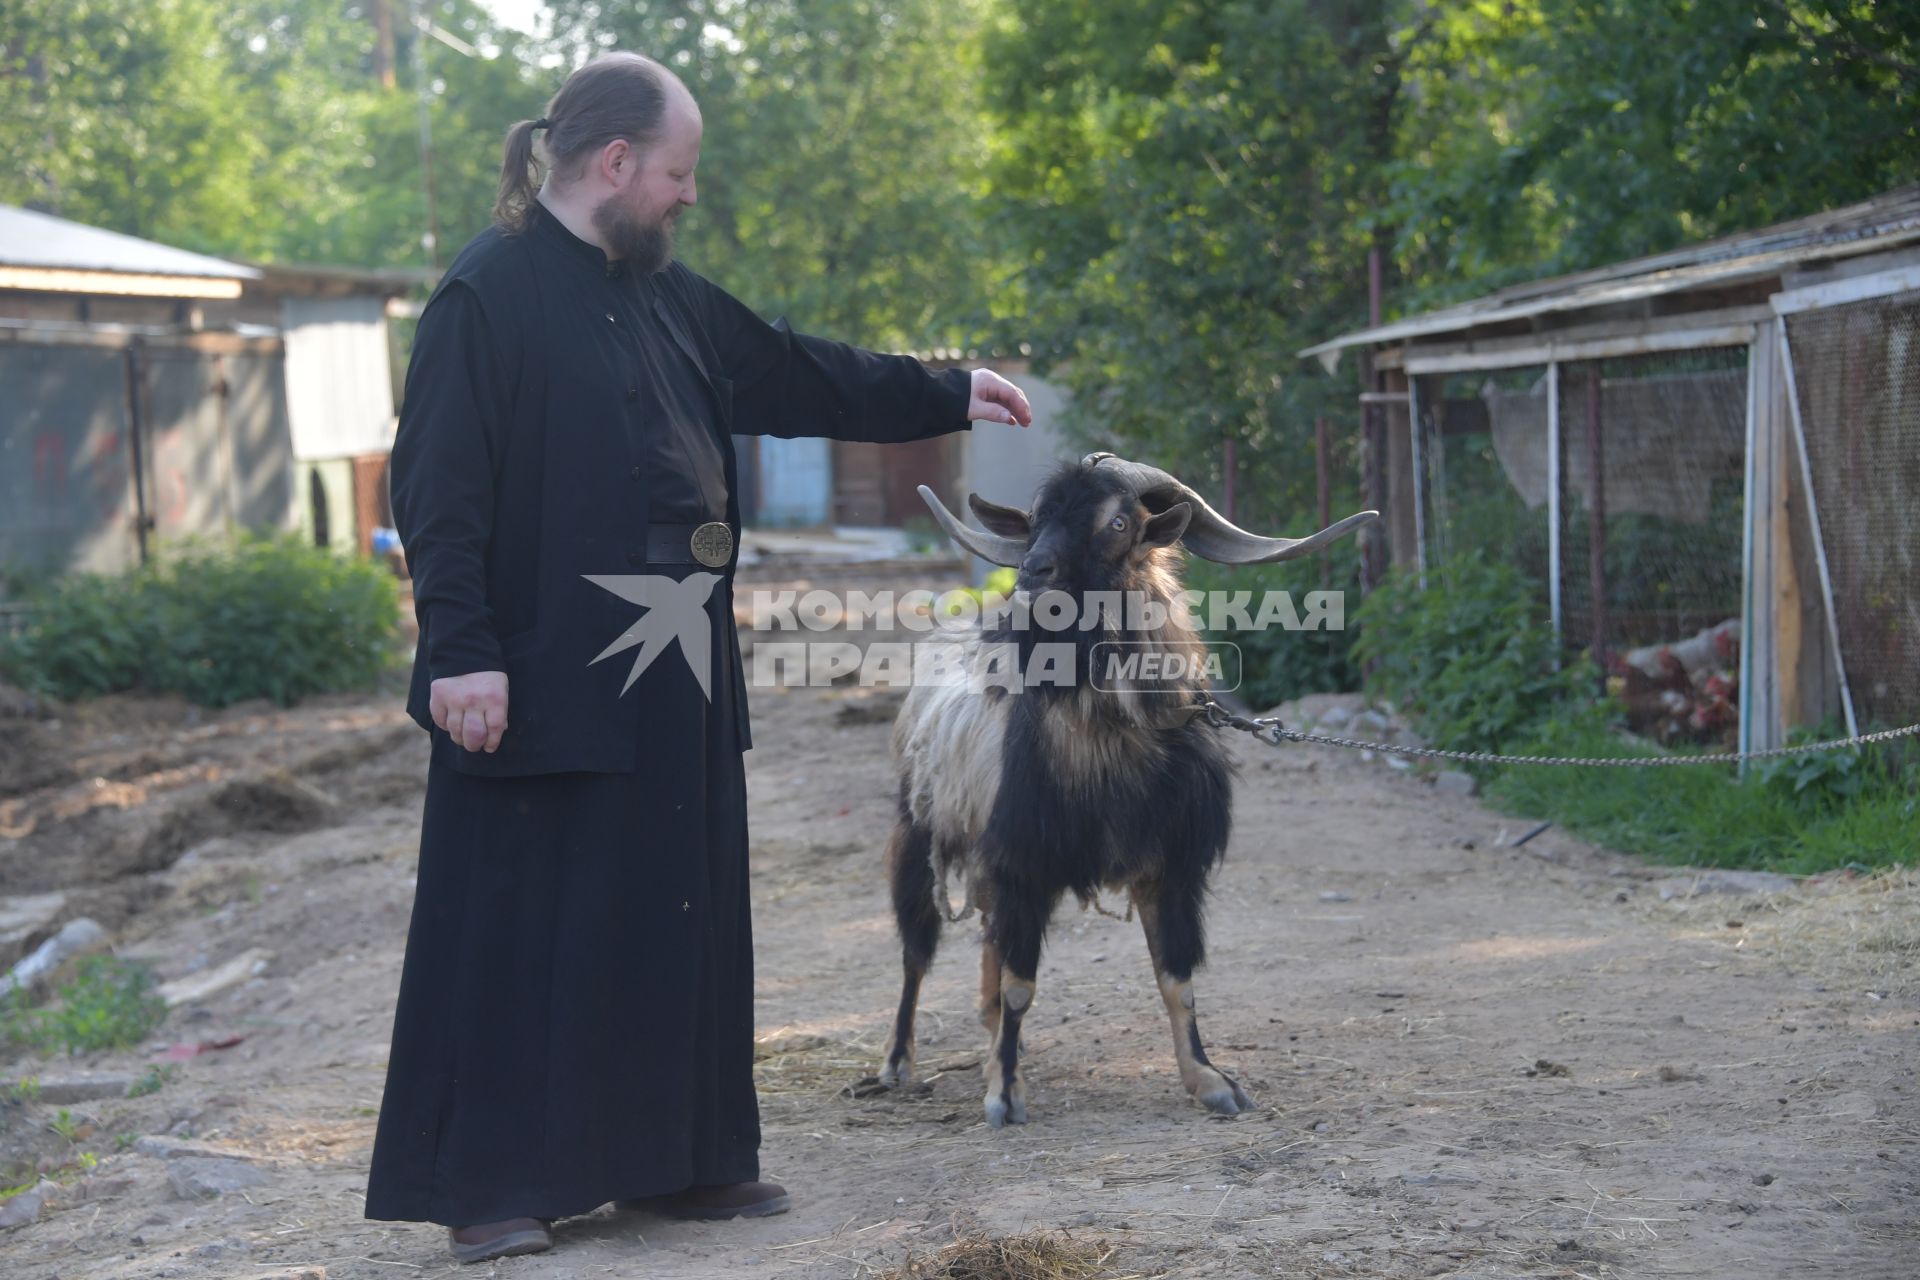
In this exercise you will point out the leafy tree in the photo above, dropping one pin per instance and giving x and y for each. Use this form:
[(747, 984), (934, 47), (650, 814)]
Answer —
[(120, 113), (345, 164), (1553, 135), (844, 160), (1191, 186), (255, 128)]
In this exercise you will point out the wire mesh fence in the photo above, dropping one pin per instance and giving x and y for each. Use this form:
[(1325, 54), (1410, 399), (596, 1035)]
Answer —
[(1485, 465), (1649, 465), (1857, 375), (1653, 451)]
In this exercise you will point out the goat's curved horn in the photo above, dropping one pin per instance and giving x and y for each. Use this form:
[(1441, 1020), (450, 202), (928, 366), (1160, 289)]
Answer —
[(1211, 535), (990, 547)]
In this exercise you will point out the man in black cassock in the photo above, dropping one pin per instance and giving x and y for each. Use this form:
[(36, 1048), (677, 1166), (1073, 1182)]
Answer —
[(575, 1020)]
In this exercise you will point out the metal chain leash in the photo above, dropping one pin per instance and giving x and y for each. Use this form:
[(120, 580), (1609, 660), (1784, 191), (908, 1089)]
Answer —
[(1269, 729)]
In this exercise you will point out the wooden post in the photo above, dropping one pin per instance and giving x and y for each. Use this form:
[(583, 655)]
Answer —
[(1398, 511), (1556, 465), (1324, 492), (383, 43), (1818, 542), (1416, 440), (1373, 418), (1596, 521), (1756, 576)]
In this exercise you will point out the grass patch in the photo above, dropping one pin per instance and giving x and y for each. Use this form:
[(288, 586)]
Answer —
[(1473, 660), (109, 1004), (157, 1078), (1800, 815)]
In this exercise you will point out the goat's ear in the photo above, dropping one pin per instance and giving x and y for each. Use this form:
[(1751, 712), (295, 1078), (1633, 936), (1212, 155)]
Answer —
[(1008, 522), (1165, 529)]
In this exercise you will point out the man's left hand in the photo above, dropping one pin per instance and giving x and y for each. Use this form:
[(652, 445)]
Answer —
[(997, 400)]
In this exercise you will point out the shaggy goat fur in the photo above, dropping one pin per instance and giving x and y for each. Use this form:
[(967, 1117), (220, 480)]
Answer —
[(1031, 793)]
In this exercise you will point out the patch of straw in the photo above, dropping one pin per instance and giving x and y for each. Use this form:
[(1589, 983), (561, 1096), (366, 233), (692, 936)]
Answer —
[(1848, 930), (1033, 1256)]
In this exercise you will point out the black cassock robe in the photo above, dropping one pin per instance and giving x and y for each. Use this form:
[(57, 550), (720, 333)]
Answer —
[(575, 1020)]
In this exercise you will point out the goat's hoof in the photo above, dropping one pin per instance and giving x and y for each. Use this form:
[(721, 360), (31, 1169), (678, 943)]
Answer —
[(896, 1074), (1001, 1111), (1229, 1099)]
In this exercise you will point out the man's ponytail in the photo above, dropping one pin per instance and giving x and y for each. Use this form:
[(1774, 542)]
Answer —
[(519, 178)]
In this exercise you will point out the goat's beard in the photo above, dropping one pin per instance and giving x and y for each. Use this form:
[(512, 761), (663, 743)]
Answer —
[(644, 247)]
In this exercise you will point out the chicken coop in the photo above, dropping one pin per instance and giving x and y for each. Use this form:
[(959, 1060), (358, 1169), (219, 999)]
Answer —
[(1708, 460)]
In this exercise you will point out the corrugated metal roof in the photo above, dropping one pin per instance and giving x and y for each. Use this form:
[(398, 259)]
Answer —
[(29, 239), (1881, 223), (380, 280)]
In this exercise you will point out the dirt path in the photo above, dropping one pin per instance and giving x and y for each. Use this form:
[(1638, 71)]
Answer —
[(1472, 1061)]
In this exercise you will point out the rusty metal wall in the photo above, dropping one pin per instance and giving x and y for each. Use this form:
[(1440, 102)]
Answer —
[(189, 473), (66, 493), (261, 441), (212, 451)]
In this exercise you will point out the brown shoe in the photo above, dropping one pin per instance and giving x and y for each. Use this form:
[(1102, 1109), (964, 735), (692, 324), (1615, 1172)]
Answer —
[(490, 1240), (717, 1204)]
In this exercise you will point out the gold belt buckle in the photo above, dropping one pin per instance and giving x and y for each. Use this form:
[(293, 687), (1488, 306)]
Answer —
[(713, 544)]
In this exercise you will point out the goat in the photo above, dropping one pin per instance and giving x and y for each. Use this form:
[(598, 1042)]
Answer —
[(1048, 788)]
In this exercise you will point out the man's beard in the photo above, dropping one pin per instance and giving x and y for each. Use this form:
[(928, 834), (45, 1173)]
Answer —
[(644, 247)]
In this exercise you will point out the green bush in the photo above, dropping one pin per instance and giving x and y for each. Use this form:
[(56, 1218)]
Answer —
[(88, 635), (262, 617), (1279, 665), (1822, 782), (1707, 816), (1471, 659), (109, 1004)]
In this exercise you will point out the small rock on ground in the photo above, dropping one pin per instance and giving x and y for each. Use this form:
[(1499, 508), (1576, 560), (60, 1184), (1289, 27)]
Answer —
[(22, 1209), (75, 938), (172, 1148), (1455, 782), (1369, 722), (87, 1088), (197, 1177)]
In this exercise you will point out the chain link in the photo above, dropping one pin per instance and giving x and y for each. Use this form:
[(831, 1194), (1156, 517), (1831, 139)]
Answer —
[(1269, 729)]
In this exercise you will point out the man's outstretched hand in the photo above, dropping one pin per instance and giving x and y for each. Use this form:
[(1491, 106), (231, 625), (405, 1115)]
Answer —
[(997, 400), (471, 708)]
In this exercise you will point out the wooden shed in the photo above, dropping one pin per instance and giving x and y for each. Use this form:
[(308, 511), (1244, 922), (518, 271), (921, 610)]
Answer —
[(1708, 458), (151, 392)]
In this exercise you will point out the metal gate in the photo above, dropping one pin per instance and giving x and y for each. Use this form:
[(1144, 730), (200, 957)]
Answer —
[(111, 441)]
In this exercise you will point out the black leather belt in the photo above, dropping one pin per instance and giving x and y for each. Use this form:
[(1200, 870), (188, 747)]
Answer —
[(709, 544)]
